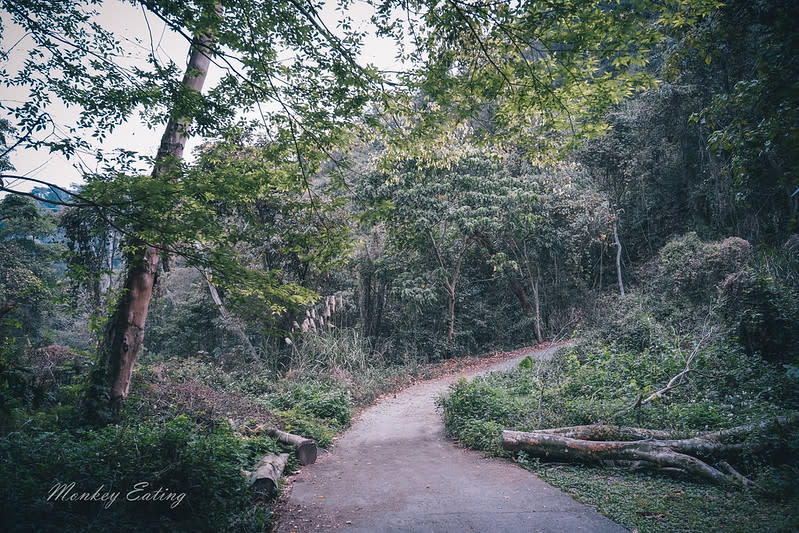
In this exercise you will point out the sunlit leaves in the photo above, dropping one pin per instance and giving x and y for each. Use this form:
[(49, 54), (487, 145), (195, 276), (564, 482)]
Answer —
[(242, 212), (540, 74)]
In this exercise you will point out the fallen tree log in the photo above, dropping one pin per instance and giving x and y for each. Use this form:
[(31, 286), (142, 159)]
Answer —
[(267, 472), (653, 447), (305, 449), (568, 449), (608, 432)]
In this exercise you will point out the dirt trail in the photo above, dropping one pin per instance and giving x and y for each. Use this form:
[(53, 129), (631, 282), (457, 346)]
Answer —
[(394, 470)]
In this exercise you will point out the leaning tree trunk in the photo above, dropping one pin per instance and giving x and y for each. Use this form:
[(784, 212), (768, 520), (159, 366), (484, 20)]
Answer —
[(236, 327), (125, 332)]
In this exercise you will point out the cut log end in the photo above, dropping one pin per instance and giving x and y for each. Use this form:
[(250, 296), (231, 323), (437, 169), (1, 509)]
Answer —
[(268, 472), (305, 449), (307, 452)]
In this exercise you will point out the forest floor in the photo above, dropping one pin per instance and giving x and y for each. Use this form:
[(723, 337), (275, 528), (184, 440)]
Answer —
[(395, 470)]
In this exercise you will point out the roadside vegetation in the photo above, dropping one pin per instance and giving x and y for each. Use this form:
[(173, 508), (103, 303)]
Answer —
[(697, 314)]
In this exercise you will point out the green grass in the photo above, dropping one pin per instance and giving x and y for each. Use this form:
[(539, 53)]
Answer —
[(652, 503)]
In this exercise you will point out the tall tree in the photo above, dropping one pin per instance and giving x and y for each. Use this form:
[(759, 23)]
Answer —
[(311, 94), (125, 333)]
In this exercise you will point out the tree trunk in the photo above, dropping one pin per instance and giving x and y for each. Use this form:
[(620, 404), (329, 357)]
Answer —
[(451, 311), (618, 256), (305, 449), (568, 449), (125, 332), (231, 321), (535, 283), (365, 312), (267, 472), (515, 286), (6, 307), (518, 291), (608, 432), (653, 448), (450, 284)]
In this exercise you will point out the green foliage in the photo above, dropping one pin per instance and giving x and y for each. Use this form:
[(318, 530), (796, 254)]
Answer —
[(689, 270), (645, 340), (91, 255), (478, 244), (673, 322), (27, 281), (764, 313), (319, 88), (677, 295), (632, 324), (475, 412), (42, 388), (21, 219), (28, 293), (324, 400), (302, 423), (526, 363), (742, 61), (184, 321), (241, 214), (203, 467), (473, 237), (525, 73)]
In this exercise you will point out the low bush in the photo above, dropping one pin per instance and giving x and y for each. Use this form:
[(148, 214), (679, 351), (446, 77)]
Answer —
[(324, 400), (166, 476), (763, 313)]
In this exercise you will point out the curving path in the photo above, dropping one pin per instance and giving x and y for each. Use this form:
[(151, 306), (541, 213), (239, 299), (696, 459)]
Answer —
[(394, 470)]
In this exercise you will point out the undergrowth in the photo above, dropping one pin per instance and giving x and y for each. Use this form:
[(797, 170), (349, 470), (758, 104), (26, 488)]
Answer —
[(575, 389), (165, 475), (182, 432), (651, 503)]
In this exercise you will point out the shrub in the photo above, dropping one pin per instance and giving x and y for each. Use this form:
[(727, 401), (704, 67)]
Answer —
[(203, 467), (689, 269), (41, 387), (764, 313), (301, 423), (325, 400), (596, 383), (631, 323), (477, 411)]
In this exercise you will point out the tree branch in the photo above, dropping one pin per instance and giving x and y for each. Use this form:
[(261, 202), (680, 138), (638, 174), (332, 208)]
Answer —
[(677, 380)]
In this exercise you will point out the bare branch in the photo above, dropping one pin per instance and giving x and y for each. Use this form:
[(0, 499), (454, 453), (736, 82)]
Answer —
[(677, 380)]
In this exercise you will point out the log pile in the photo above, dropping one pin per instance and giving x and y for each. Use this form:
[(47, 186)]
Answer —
[(305, 449), (704, 456), (268, 471)]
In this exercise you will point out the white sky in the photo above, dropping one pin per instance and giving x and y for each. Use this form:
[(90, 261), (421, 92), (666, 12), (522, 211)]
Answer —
[(130, 25)]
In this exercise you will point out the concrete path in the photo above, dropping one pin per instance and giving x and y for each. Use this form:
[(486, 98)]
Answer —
[(395, 471)]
